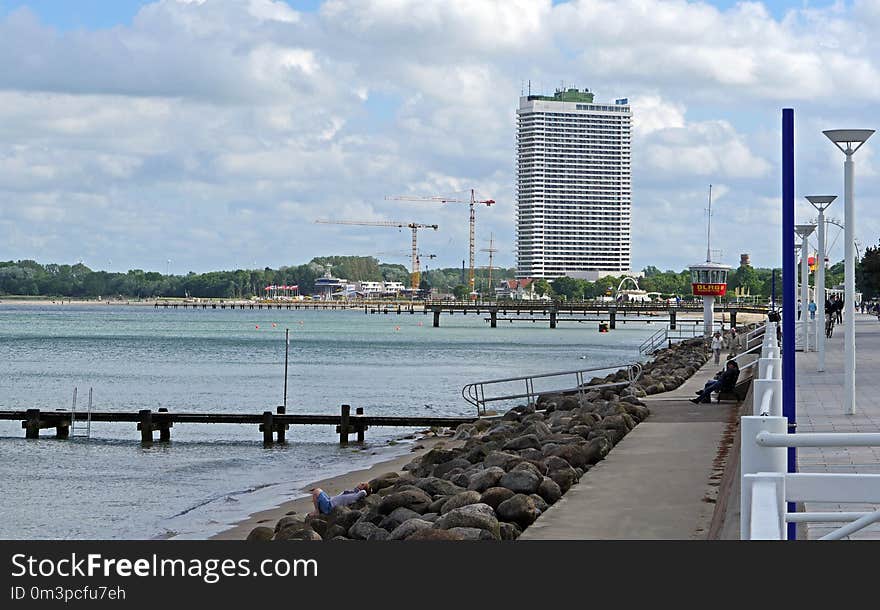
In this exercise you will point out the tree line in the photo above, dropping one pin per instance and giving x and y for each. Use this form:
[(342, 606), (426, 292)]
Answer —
[(29, 278)]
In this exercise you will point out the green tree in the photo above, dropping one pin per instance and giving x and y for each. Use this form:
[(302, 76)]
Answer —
[(460, 292), (868, 273), (568, 287), (542, 287)]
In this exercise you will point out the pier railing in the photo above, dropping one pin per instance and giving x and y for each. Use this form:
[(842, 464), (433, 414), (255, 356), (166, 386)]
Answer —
[(665, 336), (766, 487), (564, 382)]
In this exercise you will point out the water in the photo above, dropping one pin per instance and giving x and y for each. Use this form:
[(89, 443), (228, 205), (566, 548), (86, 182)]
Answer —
[(220, 361)]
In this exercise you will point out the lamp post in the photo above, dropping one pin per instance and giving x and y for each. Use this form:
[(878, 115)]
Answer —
[(821, 203), (849, 141), (805, 231)]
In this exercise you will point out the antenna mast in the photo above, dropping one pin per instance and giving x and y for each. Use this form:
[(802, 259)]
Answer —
[(709, 229)]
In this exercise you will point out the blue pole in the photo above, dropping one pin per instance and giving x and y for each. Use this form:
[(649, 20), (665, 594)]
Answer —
[(789, 305)]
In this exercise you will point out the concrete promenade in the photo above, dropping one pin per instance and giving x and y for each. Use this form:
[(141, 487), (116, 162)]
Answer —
[(660, 482), (819, 409)]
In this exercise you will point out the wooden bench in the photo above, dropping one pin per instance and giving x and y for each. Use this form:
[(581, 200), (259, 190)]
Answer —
[(739, 392)]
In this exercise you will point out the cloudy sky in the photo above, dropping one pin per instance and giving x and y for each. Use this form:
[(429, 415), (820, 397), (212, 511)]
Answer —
[(214, 132)]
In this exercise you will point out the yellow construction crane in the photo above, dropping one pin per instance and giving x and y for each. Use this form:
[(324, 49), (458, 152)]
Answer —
[(473, 201), (415, 226)]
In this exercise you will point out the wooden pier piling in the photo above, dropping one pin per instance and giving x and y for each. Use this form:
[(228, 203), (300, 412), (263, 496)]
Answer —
[(266, 427), (145, 425), (344, 424)]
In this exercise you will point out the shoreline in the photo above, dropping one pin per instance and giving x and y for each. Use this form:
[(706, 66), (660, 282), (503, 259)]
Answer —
[(300, 501)]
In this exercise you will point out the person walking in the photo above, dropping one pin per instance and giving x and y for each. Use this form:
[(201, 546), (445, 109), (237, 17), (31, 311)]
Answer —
[(812, 308), (716, 346), (799, 310)]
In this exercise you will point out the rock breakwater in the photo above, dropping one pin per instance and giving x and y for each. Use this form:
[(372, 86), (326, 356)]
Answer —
[(497, 476)]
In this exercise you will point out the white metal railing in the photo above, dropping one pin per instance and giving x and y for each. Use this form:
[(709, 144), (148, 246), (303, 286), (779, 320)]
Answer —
[(572, 382), (766, 487)]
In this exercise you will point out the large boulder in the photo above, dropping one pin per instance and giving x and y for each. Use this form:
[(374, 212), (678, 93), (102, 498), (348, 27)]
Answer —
[(549, 490), (520, 481), (305, 533), (414, 499), (473, 533), (434, 534), (461, 499), (379, 534), (384, 480), (473, 515), (528, 441), (261, 533), (485, 479), (519, 509), (509, 531), (344, 517), (410, 527), (438, 487), (502, 459), (397, 516), (441, 469), (495, 496), (362, 530)]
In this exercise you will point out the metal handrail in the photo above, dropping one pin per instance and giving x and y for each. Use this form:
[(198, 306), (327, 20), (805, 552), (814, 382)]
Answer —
[(475, 393)]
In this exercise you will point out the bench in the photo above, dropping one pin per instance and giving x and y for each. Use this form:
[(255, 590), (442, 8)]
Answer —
[(738, 394)]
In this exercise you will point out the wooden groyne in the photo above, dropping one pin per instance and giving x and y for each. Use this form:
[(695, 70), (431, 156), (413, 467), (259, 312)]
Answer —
[(270, 423)]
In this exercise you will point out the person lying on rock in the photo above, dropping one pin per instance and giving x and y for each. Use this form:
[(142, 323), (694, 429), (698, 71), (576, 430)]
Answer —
[(724, 381), (324, 504)]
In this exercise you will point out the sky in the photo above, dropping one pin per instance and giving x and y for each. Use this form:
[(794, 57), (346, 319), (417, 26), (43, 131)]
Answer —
[(213, 133)]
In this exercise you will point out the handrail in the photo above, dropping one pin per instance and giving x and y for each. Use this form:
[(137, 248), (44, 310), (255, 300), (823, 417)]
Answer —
[(475, 393)]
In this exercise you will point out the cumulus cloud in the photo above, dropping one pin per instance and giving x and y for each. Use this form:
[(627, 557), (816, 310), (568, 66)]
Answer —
[(206, 131)]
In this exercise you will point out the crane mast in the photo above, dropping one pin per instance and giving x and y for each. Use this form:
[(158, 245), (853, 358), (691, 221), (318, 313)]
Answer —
[(472, 202)]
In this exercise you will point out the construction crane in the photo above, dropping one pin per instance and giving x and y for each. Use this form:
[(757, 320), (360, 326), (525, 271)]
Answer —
[(491, 250), (415, 226), (473, 201)]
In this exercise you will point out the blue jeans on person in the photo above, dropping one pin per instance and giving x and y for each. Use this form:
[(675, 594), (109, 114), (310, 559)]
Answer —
[(711, 386)]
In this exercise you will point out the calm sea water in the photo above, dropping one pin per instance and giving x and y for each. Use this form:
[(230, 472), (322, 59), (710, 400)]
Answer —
[(232, 361)]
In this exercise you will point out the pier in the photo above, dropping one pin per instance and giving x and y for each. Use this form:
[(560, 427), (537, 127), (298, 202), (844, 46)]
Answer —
[(272, 425), (514, 311)]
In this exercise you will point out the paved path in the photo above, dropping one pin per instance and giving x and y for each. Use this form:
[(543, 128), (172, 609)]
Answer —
[(819, 409), (659, 482)]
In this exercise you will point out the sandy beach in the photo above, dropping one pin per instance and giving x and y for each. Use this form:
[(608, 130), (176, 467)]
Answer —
[(301, 501)]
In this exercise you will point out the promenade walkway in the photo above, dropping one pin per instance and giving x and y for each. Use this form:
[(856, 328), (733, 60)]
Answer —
[(660, 482), (819, 409)]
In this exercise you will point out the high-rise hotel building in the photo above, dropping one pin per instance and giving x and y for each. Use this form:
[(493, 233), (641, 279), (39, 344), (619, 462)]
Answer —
[(574, 186)]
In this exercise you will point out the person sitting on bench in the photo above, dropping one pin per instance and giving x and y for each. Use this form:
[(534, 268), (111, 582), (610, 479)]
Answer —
[(724, 381)]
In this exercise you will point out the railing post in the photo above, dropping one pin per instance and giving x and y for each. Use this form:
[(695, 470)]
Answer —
[(755, 459), (344, 424), (767, 506), (671, 319)]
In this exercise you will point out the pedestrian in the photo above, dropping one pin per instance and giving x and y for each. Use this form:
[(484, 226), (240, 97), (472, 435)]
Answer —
[(324, 504), (716, 346), (838, 309), (799, 310), (812, 308)]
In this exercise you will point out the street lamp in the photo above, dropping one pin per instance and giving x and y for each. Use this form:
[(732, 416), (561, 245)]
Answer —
[(849, 141), (805, 231), (821, 203)]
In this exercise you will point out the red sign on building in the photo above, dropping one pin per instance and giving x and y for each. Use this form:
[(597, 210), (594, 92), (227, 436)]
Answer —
[(709, 290)]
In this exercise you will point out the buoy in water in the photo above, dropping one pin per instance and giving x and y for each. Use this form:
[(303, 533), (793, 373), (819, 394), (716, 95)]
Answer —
[(396, 328), (274, 325), (257, 327)]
